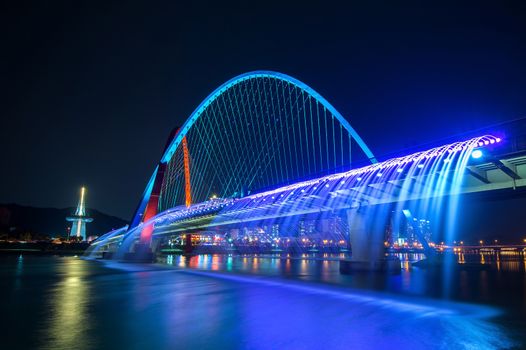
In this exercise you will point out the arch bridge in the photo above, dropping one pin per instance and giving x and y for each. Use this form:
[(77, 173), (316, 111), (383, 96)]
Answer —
[(265, 151)]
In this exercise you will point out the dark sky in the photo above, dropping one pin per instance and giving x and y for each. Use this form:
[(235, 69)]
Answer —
[(90, 91)]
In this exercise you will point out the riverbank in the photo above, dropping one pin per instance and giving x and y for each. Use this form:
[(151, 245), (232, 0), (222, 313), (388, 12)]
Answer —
[(42, 248)]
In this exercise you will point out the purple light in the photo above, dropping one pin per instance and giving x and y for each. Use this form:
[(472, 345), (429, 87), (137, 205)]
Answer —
[(498, 139)]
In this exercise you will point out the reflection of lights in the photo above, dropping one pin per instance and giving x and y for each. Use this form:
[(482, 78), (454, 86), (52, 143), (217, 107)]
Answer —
[(69, 311)]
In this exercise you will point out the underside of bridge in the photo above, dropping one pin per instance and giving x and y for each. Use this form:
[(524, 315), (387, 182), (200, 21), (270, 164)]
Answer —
[(266, 164)]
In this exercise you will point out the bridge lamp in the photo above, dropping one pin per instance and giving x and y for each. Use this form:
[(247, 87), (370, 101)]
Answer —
[(379, 174), (476, 154), (420, 166), (399, 170)]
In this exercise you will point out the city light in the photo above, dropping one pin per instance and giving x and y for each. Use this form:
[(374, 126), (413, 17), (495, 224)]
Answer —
[(477, 153)]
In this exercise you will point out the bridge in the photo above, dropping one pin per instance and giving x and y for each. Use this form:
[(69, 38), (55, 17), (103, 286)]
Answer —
[(266, 158)]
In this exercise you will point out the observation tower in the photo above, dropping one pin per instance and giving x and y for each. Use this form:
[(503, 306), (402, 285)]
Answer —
[(80, 219)]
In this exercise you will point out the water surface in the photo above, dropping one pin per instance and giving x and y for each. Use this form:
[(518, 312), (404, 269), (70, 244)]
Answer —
[(228, 302)]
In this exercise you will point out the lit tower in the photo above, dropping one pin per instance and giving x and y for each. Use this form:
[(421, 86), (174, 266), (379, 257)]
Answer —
[(80, 219)]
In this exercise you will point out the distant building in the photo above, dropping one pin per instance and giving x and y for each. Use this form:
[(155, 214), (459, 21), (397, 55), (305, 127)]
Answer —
[(80, 219)]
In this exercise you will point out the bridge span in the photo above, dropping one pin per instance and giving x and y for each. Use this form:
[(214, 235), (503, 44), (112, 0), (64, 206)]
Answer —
[(241, 152)]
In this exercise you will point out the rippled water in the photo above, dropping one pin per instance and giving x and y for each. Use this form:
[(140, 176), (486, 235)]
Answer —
[(218, 302)]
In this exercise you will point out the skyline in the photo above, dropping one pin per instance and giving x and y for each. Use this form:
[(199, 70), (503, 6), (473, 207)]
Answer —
[(92, 94)]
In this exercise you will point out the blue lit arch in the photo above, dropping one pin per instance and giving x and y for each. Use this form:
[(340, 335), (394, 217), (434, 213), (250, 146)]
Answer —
[(262, 73), (168, 197)]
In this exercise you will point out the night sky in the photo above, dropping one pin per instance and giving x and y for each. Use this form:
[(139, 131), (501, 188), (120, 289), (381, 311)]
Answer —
[(90, 92)]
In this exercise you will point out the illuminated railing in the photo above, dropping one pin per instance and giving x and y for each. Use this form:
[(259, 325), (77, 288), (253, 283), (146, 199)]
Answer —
[(438, 159)]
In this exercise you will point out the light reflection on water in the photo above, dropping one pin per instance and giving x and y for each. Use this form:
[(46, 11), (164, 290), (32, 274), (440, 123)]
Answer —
[(214, 302), (451, 283), (262, 263), (67, 302)]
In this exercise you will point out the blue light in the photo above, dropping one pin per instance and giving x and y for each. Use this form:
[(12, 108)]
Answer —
[(476, 154)]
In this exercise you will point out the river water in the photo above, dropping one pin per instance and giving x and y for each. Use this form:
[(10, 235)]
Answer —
[(258, 302)]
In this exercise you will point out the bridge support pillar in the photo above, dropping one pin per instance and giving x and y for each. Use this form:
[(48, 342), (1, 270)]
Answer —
[(188, 248), (367, 233), (142, 253)]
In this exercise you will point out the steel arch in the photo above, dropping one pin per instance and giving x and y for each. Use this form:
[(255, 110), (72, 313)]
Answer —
[(262, 74), (182, 132)]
